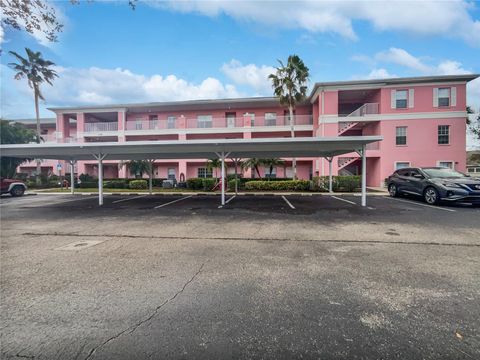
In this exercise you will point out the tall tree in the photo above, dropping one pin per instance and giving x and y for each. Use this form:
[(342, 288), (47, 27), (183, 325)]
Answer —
[(271, 163), (138, 167), (36, 70), (213, 165), (13, 133), (290, 85), (474, 126), (252, 163), (35, 16)]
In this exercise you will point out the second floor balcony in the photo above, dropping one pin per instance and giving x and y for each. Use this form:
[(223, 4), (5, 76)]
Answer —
[(100, 127), (209, 122)]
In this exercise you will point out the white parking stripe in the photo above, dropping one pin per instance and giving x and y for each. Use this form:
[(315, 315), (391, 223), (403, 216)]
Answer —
[(347, 201), (128, 199), (420, 204), (288, 202), (227, 201), (172, 202)]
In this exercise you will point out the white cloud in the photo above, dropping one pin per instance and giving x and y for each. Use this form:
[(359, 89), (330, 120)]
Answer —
[(426, 18), (403, 58), (251, 75), (95, 86)]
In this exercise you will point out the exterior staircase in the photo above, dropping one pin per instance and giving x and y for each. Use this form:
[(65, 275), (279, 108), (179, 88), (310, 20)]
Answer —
[(365, 109), (345, 161)]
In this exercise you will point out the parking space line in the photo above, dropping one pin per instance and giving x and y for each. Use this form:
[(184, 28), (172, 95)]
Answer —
[(288, 202), (420, 204), (227, 201), (172, 202), (128, 199), (347, 201)]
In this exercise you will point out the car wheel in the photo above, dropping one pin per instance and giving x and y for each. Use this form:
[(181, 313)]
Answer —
[(17, 190), (392, 190), (431, 196)]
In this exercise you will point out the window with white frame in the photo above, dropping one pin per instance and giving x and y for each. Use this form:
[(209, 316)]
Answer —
[(204, 121), (402, 165), (273, 175), (171, 173), (443, 134), (401, 99), (171, 122), (401, 135), (138, 124), (153, 119), (445, 164), (203, 172), (270, 119), (444, 97)]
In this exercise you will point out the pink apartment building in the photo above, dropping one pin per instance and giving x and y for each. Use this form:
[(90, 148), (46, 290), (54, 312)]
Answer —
[(422, 121)]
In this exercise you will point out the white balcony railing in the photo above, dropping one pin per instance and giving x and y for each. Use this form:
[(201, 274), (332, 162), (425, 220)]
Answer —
[(282, 120), (101, 126), (206, 122)]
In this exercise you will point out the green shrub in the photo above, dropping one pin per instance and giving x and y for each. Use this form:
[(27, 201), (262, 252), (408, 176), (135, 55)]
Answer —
[(339, 183), (157, 182), (116, 184), (284, 185), (86, 178), (208, 184), (88, 184), (138, 184), (195, 183)]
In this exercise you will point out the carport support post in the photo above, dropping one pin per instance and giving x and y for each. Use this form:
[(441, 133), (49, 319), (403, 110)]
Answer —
[(72, 176), (100, 158), (222, 157), (364, 176), (330, 179)]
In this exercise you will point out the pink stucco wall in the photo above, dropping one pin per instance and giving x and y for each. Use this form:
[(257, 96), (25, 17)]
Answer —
[(421, 150)]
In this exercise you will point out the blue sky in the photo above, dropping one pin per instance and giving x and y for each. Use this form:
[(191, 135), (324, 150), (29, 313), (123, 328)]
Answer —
[(187, 50)]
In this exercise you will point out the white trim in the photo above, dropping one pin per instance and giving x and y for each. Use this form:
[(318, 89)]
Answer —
[(215, 130), (435, 97), (332, 119), (411, 98), (397, 162), (10, 187), (453, 96), (393, 99)]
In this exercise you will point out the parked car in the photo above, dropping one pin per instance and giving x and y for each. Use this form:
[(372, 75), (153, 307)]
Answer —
[(435, 184), (14, 187)]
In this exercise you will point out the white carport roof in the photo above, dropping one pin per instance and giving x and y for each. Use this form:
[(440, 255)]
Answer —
[(194, 149)]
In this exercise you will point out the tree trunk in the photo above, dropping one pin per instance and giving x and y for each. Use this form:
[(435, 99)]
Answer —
[(39, 132), (292, 133)]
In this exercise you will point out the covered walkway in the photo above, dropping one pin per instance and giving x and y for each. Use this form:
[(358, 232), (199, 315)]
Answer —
[(199, 149)]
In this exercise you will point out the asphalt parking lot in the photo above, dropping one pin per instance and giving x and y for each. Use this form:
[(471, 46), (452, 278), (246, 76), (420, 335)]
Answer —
[(177, 276)]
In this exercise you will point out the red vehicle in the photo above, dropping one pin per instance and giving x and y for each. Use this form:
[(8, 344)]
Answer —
[(13, 186)]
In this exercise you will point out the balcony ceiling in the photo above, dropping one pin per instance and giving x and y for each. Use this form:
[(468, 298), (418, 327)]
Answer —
[(194, 149)]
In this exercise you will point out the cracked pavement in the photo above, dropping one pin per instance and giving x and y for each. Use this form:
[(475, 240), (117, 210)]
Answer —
[(192, 281)]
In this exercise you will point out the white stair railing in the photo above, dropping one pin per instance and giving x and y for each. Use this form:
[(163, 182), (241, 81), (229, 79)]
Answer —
[(365, 109)]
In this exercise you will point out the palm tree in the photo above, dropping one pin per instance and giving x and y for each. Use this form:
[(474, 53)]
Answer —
[(213, 165), (252, 163), (138, 167), (271, 163), (36, 70), (290, 86)]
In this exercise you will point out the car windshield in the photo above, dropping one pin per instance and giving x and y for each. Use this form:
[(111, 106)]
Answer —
[(443, 173)]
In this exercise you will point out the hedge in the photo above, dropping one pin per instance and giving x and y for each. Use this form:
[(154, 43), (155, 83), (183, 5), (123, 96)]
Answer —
[(339, 183), (115, 184), (138, 184), (206, 184), (289, 185)]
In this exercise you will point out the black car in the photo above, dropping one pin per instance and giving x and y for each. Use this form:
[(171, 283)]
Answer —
[(435, 184)]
